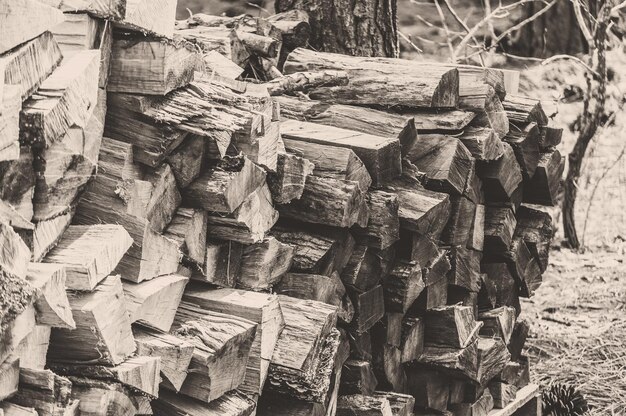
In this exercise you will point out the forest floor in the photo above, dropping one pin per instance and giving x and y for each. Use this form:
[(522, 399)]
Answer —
[(578, 316)]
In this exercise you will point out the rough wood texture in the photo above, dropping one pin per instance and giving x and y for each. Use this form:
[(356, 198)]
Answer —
[(482, 406), (222, 346), (89, 253), (152, 67), (412, 338), (402, 286), (492, 357), (380, 154), (452, 326), (460, 362), (287, 183), (187, 160), (221, 264), (525, 144), (263, 309), (499, 228), (534, 226), (521, 109), (498, 322), (524, 267), (222, 40), (154, 302), (33, 349), (401, 404), (230, 404), (189, 228), (458, 229), (174, 353), (52, 305), (263, 264), (99, 397), (14, 255), (9, 377), (383, 225), (10, 107), (430, 388), (483, 143), (363, 270), (101, 319), (431, 85), (543, 188), (66, 98), (17, 184), (502, 394), (501, 177), (24, 20), (369, 307), (45, 391), (465, 268), (358, 378)]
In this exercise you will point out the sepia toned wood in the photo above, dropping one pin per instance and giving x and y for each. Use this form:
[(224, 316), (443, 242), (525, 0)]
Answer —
[(357, 378), (492, 357), (401, 404), (524, 267), (263, 264), (504, 289), (221, 40), (230, 404), (9, 377), (402, 286), (10, 107), (483, 143), (499, 228), (19, 320), (221, 264), (525, 144), (550, 137), (101, 319), (216, 63), (535, 227), (383, 225), (465, 268), (430, 388), (100, 397), (189, 228), (457, 231), (17, 183), (435, 86), (543, 188), (369, 307), (287, 183), (89, 253), (24, 20), (14, 255), (498, 322), (33, 349), (380, 154), (502, 394), (11, 409), (221, 348), (187, 159), (476, 239), (521, 109), (326, 289), (52, 305), (363, 269), (501, 177), (450, 326), (458, 362), (141, 65), (482, 406), (412, 338), (387, 360), (45, 391), (154, 302)]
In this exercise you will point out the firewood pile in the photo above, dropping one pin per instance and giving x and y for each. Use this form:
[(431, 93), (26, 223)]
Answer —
[(206, 218)]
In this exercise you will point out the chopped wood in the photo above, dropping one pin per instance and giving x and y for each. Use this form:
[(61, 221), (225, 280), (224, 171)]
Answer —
[(369, 307), (380, 154), (483, 143), (175, 353), (430, 388), (525, 144), (89, 253), (224, 41), (221, 349), (534, 226), (358, 378), (412, 338), (464, 268), (504, 289), (287, 183), (263, 264), (52, 304), (476, 239), (451, 326), (101, 319), (142, 65), (19, 319), (9, 377), (480, 407), (14, 255), (218, 64), (303, 81), (387, 360), (381, 81), (189, 228), (498, 322), (401, 404), (17, 183), (501, 177), (502, 394), (230, 404), (24, 20), (499, 228), (46, 392), (154, 302), (543, 188), (99, 397), (516, 373), (402, 286), (458, 229), (383, 225), (521, 109), (187, 160), (33, 349), (363, 270), (492, 357), (11, 409), (550, 137), (10, 107), (221, 263), (460, 362)]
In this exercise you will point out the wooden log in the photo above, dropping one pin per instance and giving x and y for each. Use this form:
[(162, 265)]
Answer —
[(458, 229), (436, 85), (524, 267), (499, 228), (387, 360), (263, 309), (10, 107), (175, 353), (521, 109), (43, 235), (189, 228), (363, 270), (216, 63), (480, 407), (287, 183), (358, 378), (492, 357), (11, 409), (25, 20), (550, 138), (502, 394), (45, 392), (89, 253), (412, 338), (303, 358), (249, 223), (154, 302), (504, 288), (225, 186), (15, 255), (150, 66), (402, 286), (263, 264), (476, 239), (498, 322), (383, 225), (187, 159), (430, 388), (525, 144), (99, 397), (465, 268), (493, 115), (17, 183), (231, 404), (305, 81), (9, 377), (518, 339), (262, 149), (77, 32), (222, 40), (401, 404), (33, 349), (451, 326), (380, 154), (543, 188), (534, 226), (483, 143), (221, 348), (369, 307), (19, 319), (515, 373), (327, 201), (221, 264), (457, 362), (501, 177), (101, 319), (66, 98), (52, 305), (445, 162)]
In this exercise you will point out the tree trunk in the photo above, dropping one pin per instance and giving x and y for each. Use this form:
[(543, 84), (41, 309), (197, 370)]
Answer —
[(361, 28), (593, 107)]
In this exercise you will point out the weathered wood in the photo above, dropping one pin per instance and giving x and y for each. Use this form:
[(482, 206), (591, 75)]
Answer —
[(52, 305), (430, 388), (476, 239), (78, 31), (465, 268), (187, 159), (66, 98), (150, 66), (24, 20), (431, 85), (11, 409), (222, 40), (480, 407), (380, 154), (483, 143), (387, 360), (492, 357), (502, 394), (101, 319), (363, 270), (15, 255), (33, 349), (543, 188), (550, 137), (458, 229), (304, 81), (516, 373), (263, 264), (189, 228), (499, 228), (222, 344), (524, 267), (221, 264), (154, 302), (216, 63), (18, 318), (17, 183), (10, 107), (231, 404), (383, 225), (493, 115), (263, 309), (498, 322), (401, 404), (45, 391), (287, 183), (521, 109), (451, 326), (459, 362), (44, 235), (358, 378), (534, 226), (174, 353), (412, 338), (525, 144), (98, 397), (369, 307), (504, 289), (501, 177), (9, 377), (402, 286)]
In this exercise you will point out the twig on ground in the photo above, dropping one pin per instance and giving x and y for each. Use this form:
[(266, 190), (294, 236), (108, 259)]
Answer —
[(445, 28)]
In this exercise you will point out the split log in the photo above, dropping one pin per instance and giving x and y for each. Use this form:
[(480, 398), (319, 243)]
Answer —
[(480, 407), (263, 264), (498, 322), (187, 159), (380, 154), (141, 373), (522, 109), (504, 289), (46, 392), (383, 225), (358, 378), (492, 357), (525, 144), (225, 186), (11, 409), (141, 65), (432, 85), (294, 28), (19, 319), (15, 255), (550, 138), (66, 98), (174, 353), (222, 345), (518, 339), (476, 239), (327, 201), (9, 377), (17, 184), (101, 319), (483, 143), (387, 360), (263, 309), (457, 362), (369, 307), (89, 253), (464, 268), (450, 326), (34, 348), (534, 226), (303, 358), (78, 32), (543, 188), (430, 388), (99, 398), (515, 373), (154, 302), (502, 394), (24, 20), (401, 404), (224, 41), (499, 228), (287, 183), (363, 270), (221, 264), (458, 229), (10, 107), (231, 404), (492, 114), (216, 63), (524, 267), (189, 228), (52, 305), (501, 177), (412, 338), (402, 286), (304, 81), (445, 162), (361, 119)]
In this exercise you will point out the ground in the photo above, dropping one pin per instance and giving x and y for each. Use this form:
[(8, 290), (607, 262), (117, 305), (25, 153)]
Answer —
[(578, 316)]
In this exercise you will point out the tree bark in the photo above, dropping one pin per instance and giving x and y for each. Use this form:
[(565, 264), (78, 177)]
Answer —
[(361, 28)]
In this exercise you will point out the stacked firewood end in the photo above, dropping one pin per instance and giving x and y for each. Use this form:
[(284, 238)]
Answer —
[(176, 241)]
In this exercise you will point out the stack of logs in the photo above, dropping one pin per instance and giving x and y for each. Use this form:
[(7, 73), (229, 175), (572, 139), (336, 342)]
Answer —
[(204, 218)]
